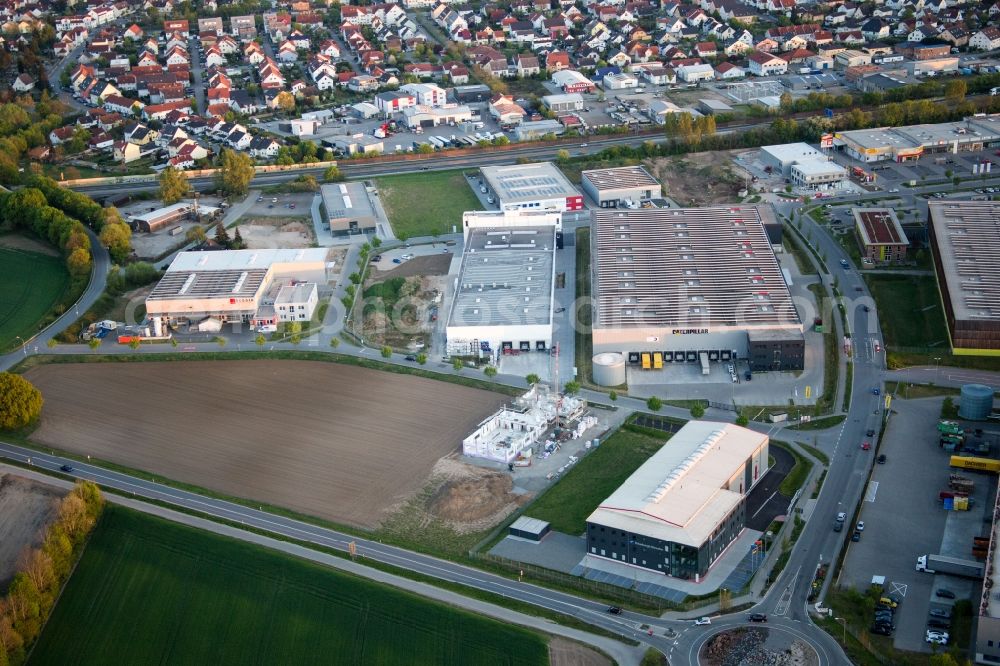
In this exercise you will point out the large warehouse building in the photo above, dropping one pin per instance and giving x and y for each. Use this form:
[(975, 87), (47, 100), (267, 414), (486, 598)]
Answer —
[(236, 287), (539, 186), (504, 292), (679, 511), (689, 285), (965, 241), (902, 144), (624, 186)]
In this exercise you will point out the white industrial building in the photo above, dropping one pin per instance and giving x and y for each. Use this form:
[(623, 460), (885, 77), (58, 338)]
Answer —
[(235, 287), (910, 142), (818, 174), (781, 157), (689, 285), (514, 431), (422, 115), (296, 302), (684, 506), (538, 186), (504, 291), (621, 186)]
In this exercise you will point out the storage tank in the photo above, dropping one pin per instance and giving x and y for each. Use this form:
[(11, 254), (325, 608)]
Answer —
[(609, 369), (975, 403)]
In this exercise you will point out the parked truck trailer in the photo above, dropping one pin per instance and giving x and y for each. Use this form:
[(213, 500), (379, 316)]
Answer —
[(955, 566)]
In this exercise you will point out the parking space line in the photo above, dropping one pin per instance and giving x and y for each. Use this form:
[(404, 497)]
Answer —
[(871, 492)]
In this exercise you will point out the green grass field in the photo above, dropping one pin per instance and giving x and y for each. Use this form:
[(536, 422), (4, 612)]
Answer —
[(148, 591), (427, 203), (568, 503), (909, 310), (32, 284)]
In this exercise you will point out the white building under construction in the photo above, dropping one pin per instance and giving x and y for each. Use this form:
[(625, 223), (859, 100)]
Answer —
[(515, 430)]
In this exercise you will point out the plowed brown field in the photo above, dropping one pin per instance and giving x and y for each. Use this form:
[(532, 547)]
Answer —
[(334, 441)]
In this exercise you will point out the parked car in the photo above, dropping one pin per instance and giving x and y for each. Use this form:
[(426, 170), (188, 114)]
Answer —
[(882, 628), (942, 613), (861, 526), (747, 376), (397, 260), (881, 459), (938, 624), (841, 517), (838, 526), (936, 637), (944, 593), (856, 536), (410, 357), (376, 258)]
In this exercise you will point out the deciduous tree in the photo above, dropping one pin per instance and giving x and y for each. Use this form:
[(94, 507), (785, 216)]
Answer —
[(174, 186), (235, 172), (20, 401), (117, 238)]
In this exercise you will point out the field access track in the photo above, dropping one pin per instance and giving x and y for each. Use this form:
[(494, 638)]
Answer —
[(329, 440)]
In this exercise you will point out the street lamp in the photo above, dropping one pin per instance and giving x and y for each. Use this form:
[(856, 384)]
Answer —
[(843, 623), (24, 345), (937, 359)]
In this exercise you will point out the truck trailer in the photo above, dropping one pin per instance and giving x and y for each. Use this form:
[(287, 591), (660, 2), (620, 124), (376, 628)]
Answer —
[(950, 565), (981, 464)]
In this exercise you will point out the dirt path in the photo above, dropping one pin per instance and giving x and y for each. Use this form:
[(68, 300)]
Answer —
[(334, 441), (19, 242)]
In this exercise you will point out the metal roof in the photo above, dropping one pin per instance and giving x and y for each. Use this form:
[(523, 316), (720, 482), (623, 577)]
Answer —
[(506, 277), (528, 182), (966, 236), (688, 267), (620, 178)]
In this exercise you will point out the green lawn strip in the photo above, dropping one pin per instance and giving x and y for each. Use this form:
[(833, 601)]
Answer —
[(819, 484), (427, 203), (567, 504), (896, 360), (283, 354), (908, 391), (909, 311), (802, 260), (821, 423), (171, 593), (848, 386), (831, 359), (797, 475), (36, 290), (787, 543), (815, 453)]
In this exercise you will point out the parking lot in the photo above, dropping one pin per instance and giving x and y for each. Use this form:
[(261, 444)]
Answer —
[(904, 519)]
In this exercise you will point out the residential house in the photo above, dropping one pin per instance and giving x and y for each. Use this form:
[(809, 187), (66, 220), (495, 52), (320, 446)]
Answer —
[(24, 83), (506, 112), (987, 39), (126, 152), (527, 65)]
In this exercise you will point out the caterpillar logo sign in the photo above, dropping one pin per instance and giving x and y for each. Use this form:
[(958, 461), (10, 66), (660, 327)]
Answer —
[(689, 331), (574, 202)]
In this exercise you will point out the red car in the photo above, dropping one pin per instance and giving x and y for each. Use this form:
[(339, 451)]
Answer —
[(865, 446)]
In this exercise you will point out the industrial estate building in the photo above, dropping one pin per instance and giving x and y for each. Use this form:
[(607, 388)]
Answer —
[(624, 186), (504, 293), (161, 218), (237, 287), (880, 235), (687, 286), (803, 165), (539, 186), (902, 144), (679, 511), (965, 242), (348, 210)]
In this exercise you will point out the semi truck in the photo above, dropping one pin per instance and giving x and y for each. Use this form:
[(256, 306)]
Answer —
[(950, 565)]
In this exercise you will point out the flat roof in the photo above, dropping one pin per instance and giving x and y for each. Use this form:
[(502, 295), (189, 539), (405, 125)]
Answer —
[(788, 152), (679, 494), (174, 209), (178, 285), (295, 293), (879, 226), (244, 259), (970, 130), (345, 202), (529, 525), (967, 246), (506, 277), (620, 178), (688, 267), (528, 182)]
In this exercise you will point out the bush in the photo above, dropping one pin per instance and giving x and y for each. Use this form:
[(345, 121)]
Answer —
[(654, 404), (697, 412)]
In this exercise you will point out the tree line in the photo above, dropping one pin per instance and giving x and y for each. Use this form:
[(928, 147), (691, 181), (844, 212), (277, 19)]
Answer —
[(42, 572)]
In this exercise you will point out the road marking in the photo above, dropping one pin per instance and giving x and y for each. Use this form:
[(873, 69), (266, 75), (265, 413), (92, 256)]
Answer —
[(786, 595), (763, 505), (871, 492), (899, 588)]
